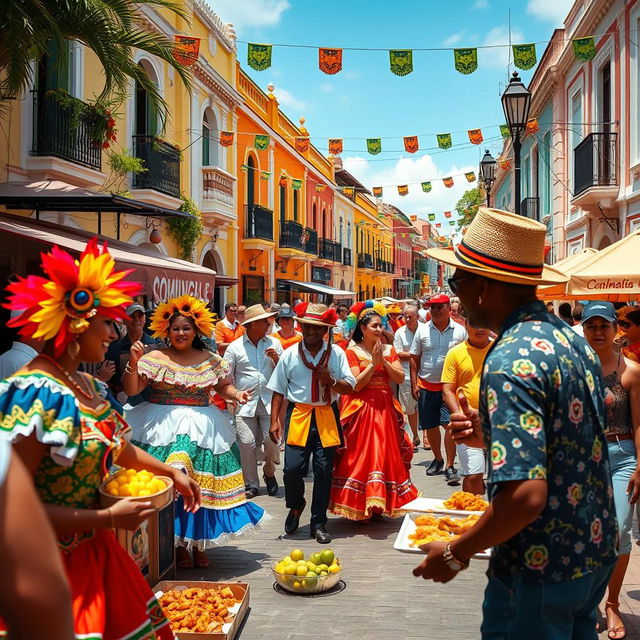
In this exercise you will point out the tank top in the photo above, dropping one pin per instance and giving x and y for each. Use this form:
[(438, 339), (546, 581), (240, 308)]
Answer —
[(617, 406)]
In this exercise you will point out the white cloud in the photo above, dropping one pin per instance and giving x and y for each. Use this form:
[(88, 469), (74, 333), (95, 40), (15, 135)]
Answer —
[(454, 38), (553, 10), (409, 171), (250, 13), (481, 4), (327, 87), (499, 56), (289, 101)]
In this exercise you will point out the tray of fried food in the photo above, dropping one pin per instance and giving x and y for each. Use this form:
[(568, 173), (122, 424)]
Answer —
[(199, 610), (420, 528), (458, 503)]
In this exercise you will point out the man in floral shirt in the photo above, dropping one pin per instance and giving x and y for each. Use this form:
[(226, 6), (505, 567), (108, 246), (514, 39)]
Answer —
[(551, 521)]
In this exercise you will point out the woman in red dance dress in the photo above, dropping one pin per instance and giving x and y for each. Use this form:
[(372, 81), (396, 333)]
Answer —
[(371, 473)]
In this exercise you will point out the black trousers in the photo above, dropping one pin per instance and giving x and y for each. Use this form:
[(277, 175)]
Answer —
[(296, 467)]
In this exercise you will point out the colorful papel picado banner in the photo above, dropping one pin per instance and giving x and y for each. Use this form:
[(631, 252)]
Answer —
[(448, 182), (465, 60), (413, 218), (296, 183), (532, 126), (470, 176), (185, 50), (444, 140), (401, 61), (504, 163), (432, 217), (475, 136), (377, 192), (259, 56), (302, 144), (452, 222), (505, 132), (447, 214), (403, 189), (335, 146), (261, 142), (283, 181), (265, 175), (226, 138), (330, 60), (524, 56), (411, 144), (374, 146), (584, 48), (426, 186), (438, 225)]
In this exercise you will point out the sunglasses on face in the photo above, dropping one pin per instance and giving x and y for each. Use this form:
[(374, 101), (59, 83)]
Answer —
[(454, 282)]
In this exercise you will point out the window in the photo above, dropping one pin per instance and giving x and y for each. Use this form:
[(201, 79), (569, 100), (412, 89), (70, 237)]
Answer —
[(283, 203), (545, 175), (253, 288), (146, 115), (295, 205), (53, 68), (209, 140), (575, 128), (251, 178)]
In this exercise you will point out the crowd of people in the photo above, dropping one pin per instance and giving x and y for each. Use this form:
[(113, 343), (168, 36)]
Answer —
[(541, 401)]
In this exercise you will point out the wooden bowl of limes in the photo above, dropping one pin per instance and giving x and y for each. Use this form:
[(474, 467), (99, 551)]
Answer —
[(143, 486)]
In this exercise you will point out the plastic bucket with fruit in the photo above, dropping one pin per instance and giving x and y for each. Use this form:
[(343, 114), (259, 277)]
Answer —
[(320, 572), (136, 485)]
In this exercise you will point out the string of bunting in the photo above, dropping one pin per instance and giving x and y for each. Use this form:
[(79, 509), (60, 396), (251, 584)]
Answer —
[(403, 189), (465, 59)]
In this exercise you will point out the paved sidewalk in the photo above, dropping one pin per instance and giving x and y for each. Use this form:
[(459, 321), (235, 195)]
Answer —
[(382, 600)]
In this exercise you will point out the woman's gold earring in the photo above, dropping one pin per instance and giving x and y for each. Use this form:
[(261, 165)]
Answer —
[(480, 300), (73, 349)]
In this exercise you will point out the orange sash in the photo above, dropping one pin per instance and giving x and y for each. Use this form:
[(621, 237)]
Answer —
[(300, 423)]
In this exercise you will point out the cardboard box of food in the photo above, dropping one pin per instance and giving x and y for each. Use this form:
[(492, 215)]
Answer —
[(240, 592)]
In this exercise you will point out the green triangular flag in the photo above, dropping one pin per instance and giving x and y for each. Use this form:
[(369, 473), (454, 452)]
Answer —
[(259, 56), (584, 48), (401, 61), (296, 184), (465, 60), (524, 56), (444, 140), (261, 141), (426, 187), (374, 146), (265, 175), (432, 217), (505, 132)]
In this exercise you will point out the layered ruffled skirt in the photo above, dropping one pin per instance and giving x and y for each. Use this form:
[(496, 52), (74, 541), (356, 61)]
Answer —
[(201, 442)]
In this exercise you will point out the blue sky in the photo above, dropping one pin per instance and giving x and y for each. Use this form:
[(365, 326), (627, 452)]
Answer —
[(366, 100)]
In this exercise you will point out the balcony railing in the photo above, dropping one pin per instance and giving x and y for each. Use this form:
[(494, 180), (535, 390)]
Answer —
[(385, 266), (365, 261), (162, 164), (329, 250), (65, 129), (595, 162), (258, 222), (530, 207), (217, 185), (292, 235), (346, 257), (311, 245)]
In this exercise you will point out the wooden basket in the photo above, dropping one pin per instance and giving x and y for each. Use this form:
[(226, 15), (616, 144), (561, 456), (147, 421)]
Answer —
[(158, 499)]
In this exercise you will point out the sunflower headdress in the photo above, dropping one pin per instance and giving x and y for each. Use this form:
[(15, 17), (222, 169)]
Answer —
[(60, 306), (360, 310), (186, 306)]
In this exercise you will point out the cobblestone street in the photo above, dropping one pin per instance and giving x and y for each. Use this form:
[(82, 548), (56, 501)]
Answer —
[(382, 600)]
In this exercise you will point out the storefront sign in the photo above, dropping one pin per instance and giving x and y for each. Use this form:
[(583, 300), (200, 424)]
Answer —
[(163, 288)]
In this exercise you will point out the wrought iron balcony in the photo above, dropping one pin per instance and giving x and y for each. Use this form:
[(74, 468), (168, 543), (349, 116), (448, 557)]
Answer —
[(162, 163), (258, 222), (311, 245), (385, 266), (329, 250), (292, 235), (530, 207), (595, 162), (365, 261), (65, 127), (346, 256)]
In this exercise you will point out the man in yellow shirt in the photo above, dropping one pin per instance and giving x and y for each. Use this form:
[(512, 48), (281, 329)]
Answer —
[(462, 371)]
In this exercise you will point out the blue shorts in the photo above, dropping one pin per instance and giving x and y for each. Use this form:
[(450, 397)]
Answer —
[(518, 610), (432, 409)]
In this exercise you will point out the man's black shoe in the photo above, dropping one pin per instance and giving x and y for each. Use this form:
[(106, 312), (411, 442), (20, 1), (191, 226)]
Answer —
[(251, 492), (272, 485), (435, 467), (292, 522), (321, 535), (451, 476)]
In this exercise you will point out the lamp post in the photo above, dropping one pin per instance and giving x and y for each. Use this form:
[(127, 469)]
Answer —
[(516, 101), (488, 173)]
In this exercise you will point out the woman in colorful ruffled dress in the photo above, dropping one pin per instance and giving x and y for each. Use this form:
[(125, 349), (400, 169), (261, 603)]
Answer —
[(371, 473), (68, 436), (181, 427)]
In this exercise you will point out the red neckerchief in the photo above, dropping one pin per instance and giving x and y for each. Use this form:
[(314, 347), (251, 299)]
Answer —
[(316, 391)]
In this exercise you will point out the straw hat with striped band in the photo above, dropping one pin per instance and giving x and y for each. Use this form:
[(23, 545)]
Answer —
[(502, 246), (319, 314)]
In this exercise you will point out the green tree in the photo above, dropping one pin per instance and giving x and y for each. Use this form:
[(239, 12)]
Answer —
[(467, 206), (30, 29)]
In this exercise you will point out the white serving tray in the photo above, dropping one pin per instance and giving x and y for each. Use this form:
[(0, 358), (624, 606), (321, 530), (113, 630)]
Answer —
[(403, 542), (435, 505)]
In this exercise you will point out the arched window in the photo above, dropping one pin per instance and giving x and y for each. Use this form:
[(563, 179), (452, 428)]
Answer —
[(283, 203), (251, 181), (146, 114), (324, 223), (295, 205), (314, 217)]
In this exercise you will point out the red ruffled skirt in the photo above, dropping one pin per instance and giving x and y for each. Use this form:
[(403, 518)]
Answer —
[(371, 472), (110, 598)]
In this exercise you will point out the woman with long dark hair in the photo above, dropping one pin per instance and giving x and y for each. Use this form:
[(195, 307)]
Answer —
[(181, 427), (371, 473)]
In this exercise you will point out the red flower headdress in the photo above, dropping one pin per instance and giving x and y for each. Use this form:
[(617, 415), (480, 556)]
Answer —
[(60, 307)]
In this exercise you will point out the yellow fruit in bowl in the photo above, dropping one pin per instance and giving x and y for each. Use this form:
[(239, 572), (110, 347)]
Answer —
[(279, 568), (111, 486), (125, 490), (301, 570), (130, 472), (113, 492), (144, 492), (122, 479), (290, 569), (334, 568), (297, 554)]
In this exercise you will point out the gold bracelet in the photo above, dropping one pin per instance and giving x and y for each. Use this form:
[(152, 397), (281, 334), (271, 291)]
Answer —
[(110, 517), (128, 369)]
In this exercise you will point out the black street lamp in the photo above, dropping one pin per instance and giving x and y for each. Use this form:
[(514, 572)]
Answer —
[(488, 173), (516, 101)]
